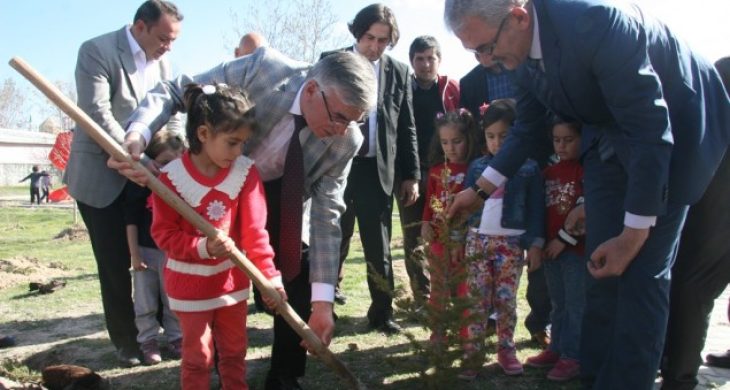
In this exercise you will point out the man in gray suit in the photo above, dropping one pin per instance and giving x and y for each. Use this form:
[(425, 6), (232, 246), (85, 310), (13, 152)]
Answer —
[(113, 73), (330, 97)]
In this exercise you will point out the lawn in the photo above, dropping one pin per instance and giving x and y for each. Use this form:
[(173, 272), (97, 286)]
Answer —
[(67, 326)]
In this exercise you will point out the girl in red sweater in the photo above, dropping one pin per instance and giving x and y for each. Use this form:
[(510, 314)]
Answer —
[(452, 147), (206, 290)]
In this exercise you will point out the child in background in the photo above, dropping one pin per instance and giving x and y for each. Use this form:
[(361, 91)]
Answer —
[(45, 187), (35, 184), (206, 290), (451, 148), (564, 263), (512, 221), (148, 261)]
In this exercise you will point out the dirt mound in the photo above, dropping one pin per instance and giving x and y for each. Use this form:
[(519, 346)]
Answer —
[(18, 270), (73, 233)]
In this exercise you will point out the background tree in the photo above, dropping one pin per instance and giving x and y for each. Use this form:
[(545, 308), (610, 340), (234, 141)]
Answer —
[(301, 29), (12, 106)]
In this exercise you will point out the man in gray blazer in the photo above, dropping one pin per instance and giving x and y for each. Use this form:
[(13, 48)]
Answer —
[(331, 97), (113, 73)]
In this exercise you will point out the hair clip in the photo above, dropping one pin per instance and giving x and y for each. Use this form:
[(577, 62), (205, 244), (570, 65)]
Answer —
[(208, 89), (464, 111), (439, 115), (483, 108)]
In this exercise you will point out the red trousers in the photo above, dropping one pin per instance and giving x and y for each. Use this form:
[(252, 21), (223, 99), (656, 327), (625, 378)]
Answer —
[(225, 325)]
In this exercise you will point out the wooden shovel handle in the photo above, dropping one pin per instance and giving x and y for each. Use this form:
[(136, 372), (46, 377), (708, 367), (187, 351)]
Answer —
[(115, 150)]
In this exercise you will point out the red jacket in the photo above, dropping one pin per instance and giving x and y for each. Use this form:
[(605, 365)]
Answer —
[(233, 201), (449, 92)]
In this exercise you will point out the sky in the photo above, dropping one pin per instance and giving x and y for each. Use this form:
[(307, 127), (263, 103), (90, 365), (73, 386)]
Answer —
[(47, 34)]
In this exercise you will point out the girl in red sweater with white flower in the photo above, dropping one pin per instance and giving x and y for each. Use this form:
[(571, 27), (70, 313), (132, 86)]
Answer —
[(206, 290)]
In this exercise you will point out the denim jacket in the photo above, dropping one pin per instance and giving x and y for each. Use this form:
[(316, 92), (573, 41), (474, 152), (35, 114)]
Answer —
[(523, 204)]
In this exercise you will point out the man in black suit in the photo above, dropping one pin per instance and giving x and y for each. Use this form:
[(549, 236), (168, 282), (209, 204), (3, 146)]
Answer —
[(390, 144)]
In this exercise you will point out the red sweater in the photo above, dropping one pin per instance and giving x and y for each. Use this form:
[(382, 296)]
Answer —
[(435, 187), (563, 187), (233, 201)]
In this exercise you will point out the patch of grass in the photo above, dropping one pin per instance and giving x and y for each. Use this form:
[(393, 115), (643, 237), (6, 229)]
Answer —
[(68, 327)]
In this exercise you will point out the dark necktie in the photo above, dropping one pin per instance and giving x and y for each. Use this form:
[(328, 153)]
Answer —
[(292, 190), (365, 129)]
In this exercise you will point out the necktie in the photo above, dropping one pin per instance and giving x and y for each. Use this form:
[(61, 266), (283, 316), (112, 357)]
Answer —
[(365, 129), (292, 189)]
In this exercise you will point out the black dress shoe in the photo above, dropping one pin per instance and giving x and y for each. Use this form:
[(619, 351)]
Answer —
[(282, 383), (340, 298), (721, 360), (128, 357), (7, 341), (388, 327)]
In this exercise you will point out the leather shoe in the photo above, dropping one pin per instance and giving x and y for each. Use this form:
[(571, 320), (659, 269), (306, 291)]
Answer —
[(721, 360), (388, 327), (128, 357), (282, 383), (340, 298)]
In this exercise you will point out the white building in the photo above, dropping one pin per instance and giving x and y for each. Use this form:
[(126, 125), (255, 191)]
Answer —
[(20, 150)]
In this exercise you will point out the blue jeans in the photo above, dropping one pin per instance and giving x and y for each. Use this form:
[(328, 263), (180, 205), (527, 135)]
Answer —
[(566, 276), (148, 291)]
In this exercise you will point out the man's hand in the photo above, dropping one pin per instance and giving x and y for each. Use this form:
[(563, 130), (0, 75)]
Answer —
[(409, 192), (613, 256), (426, 231), (322, 323), (575, 222), (134, 144), (462, 203), (534, 258)]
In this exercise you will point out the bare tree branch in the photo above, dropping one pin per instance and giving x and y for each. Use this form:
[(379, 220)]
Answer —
[(12, 106), (301, 29)]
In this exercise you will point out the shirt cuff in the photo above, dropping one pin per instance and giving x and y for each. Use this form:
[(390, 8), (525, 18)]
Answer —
[(141, 128), (639, 221), (494, 176), (202, 248), (323, 292)]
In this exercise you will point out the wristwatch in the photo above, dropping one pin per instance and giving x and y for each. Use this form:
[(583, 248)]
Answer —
[(482, 194)]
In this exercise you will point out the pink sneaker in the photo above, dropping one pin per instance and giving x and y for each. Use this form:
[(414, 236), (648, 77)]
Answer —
[(564, 370), (509, 363), (544, 359)]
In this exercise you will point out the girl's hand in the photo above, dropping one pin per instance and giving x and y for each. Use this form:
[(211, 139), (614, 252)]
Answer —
[(534, 258), (138, 264), (220, 246), (426, 231), (554, 248), (272, 303)]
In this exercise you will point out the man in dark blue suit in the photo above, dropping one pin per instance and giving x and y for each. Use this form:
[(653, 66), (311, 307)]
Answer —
[(657, 122)]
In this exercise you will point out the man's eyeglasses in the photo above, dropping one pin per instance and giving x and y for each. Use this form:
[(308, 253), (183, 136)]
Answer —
[(339, 120), (488, 48)]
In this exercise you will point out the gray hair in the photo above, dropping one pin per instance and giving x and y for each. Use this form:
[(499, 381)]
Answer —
[(489, 11), (351, 75)]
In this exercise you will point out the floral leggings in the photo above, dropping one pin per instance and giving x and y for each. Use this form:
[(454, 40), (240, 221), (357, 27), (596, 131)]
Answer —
[(494, 269)]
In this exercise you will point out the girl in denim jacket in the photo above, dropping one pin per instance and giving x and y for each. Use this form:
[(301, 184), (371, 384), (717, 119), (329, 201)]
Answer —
[(511, 222)]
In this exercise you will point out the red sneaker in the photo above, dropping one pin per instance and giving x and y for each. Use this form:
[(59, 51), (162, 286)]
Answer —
[(564, 370), (544, 359), (509, 363)]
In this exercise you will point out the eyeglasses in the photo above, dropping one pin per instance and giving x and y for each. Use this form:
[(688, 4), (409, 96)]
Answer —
[(488, 48), (340, 120)]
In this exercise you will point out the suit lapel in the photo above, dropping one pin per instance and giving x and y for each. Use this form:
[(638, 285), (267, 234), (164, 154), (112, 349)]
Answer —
[(127, 61), (552, 55)]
